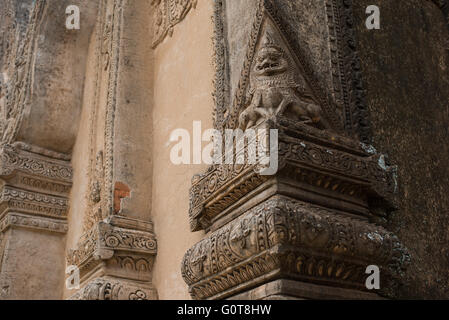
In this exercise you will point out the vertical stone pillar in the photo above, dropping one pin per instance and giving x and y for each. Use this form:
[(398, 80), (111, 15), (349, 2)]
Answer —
[(117, 247), (38, 124), (310, 230), (34, 204)]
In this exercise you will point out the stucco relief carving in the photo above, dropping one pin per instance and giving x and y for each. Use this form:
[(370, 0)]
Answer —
[(112, 289), (101, 144), (167, 14), (278, 89), (36, 187), (324, 167), (14, 159), (106, 45), (313, 220), (33, 222), (94, 213), (119, 251), (308, 101), (286, 237), (104, 238), (122, 249), (17, 90)]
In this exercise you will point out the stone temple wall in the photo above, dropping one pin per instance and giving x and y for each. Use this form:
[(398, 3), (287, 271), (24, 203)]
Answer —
[(88, 181), (406, 72)]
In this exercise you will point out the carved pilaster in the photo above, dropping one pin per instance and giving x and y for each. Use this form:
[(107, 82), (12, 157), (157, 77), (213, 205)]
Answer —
[(317, 221), (119, 248), (33, 217)]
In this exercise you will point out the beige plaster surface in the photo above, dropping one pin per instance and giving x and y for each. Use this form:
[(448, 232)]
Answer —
[(182, 94), (80, 159), (23, 278)]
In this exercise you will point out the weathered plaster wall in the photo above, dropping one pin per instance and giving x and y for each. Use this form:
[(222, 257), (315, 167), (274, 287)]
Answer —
[(132, 127), (23, 276), (182, 94), (80, 158), (405, 68)]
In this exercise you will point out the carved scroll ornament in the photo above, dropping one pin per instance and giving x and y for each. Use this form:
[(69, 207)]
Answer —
[(167, 14)]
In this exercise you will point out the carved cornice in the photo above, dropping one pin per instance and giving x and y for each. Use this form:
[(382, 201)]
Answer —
[(106, 239), (338, 166), (291, 239), (122, 250), (167, 14), (32, 222), (14, 159), (34, 184), (12, 199), (39, 184), (113, 289)]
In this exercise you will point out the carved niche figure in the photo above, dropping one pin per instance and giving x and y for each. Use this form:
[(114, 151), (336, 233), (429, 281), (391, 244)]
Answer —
[(275, 91)]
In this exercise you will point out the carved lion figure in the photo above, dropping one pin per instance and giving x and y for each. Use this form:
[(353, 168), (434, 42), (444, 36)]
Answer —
[(274, 92)]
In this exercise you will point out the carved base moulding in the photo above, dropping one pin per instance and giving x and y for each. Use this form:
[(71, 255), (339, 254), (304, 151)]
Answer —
[(16, 220), (120, 249), (296, 290), (113, 289), (288, 239)]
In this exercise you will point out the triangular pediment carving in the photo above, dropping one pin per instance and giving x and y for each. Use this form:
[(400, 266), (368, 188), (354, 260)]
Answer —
[(275, 82)]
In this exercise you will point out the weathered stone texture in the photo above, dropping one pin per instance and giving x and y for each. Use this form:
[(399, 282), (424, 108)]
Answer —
[(87, 179), (405, 68)]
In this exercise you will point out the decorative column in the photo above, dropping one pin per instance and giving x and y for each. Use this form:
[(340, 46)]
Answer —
[(117, 247), (115, 259), (310, 230), (38, 125)]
